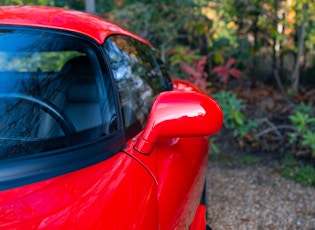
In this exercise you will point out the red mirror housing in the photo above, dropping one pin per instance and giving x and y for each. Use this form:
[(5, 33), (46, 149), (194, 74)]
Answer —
[(180, 114)]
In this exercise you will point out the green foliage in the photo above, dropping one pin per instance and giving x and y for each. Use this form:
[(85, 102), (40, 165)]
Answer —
[(303, 121), (12, 2), (73, 4), (161, 22), (25, 2), (261, 27), (214, 147), (41, 61), (251, 160), (222, 158), (260, 32), (171, 26), (292, 169), (183, 54), (234, 118)]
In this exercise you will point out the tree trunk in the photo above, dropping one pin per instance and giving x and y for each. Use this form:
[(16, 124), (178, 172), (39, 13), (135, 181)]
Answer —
[(295, 77), (277, 46), (90, 6)]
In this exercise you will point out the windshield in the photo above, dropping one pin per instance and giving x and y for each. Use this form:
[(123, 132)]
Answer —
[(52, 93)]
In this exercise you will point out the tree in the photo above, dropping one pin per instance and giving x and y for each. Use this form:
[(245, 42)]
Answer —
[(295, 77), (90, 6), (167, 24)]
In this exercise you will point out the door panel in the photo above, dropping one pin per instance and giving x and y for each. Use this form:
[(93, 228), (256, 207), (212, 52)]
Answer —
[(179, 166), (182, 170), (117, 193)]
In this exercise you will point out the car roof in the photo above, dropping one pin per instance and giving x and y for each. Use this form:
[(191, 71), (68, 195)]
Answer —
[(93, 26)]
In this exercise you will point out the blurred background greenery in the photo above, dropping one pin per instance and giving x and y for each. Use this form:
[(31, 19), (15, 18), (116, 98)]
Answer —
[(272, 41)]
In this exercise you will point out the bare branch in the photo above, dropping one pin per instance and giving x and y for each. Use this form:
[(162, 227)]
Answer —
[(275, 129)]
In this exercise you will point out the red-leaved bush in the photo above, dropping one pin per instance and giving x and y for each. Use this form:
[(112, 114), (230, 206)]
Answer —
[(197, 73), (227, 70)]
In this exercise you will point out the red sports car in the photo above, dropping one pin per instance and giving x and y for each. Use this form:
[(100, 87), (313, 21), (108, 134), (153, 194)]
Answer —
[(94, 133)]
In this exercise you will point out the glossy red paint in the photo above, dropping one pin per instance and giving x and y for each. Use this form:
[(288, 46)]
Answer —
[(180, 114), (182, 85), (200, 219), (182, 173), (178, 164), (63, 19), (90, 198), (179, 167)]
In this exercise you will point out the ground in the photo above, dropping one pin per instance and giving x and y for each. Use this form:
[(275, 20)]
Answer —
[(255, 196), (245, 187)]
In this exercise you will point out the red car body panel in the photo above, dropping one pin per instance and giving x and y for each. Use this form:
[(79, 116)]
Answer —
[(64, 19), (180, 174), (90, 198), (131, 200), (182, 85), (130, 190), (179, 167)]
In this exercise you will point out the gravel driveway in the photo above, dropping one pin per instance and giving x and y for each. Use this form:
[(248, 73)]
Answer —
[(255, 197)]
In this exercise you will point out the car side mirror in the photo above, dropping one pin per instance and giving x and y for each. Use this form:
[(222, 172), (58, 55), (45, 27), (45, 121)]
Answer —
[(180, 114)]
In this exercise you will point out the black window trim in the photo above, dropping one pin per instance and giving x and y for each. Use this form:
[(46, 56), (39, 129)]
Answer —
[(38, 167)]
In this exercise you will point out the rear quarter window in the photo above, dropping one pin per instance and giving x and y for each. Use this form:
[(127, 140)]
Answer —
[(138, 77)]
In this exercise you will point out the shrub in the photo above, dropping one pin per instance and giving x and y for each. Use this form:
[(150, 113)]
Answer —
[(292, 169), (234, 118), (303, 136), (225, 71)]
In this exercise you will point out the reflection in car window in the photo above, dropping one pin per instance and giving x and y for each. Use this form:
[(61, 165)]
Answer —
[(138, 77), (52, 93)]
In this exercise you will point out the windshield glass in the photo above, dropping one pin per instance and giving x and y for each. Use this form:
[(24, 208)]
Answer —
[(52, 93)]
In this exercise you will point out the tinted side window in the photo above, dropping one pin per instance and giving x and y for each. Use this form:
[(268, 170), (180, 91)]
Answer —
[(138, 77), (52, 93)]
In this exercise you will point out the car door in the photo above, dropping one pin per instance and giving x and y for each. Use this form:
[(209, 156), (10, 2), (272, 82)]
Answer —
[(178, 165)]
